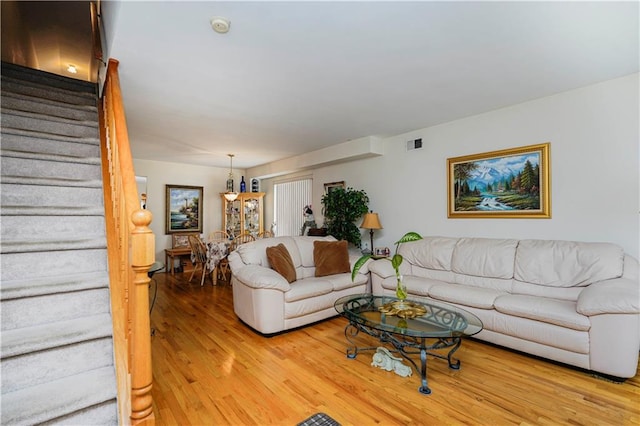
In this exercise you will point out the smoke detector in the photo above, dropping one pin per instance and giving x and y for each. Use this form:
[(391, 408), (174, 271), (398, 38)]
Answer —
[(220, 25)]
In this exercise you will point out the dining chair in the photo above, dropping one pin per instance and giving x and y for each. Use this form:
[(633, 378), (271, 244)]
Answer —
[(242, 239), (265, 234), (218, 236), (199, 256)]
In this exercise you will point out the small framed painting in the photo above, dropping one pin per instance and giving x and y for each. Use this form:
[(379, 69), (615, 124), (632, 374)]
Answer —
[(510, 183), (183, 209), (328, 187)]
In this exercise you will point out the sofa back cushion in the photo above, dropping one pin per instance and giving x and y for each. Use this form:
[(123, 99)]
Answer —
[(255, 252), (305, 248), (567, 263), (300, 249), (484, 257), (331, 257), (429, 252), (280, 261)]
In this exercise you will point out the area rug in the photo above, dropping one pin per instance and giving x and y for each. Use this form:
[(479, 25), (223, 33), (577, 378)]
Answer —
[(319, 419)]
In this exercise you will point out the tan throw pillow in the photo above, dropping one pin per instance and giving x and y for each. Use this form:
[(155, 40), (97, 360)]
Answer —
[(280, 261), (331, 257)]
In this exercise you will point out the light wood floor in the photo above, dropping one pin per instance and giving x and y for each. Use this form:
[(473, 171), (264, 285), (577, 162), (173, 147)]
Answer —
[(210, 369)]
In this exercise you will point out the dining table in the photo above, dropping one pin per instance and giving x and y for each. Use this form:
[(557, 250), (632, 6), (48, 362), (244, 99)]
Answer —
[(216, 252)]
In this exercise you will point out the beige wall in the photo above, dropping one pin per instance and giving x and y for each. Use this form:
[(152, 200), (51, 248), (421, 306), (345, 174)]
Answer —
[(594, 169), (159, 174), (595, 187)]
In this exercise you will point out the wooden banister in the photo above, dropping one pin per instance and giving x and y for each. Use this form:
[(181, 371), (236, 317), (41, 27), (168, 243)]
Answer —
[(131, 252)]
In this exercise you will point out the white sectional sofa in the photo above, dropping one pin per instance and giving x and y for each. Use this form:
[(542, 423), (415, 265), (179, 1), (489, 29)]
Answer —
[(577, 303), (267, 302)]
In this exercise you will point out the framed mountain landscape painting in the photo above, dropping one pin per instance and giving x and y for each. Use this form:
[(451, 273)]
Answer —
[(510, 183)]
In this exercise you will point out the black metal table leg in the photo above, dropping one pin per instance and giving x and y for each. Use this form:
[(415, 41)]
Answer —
[(424, 389)]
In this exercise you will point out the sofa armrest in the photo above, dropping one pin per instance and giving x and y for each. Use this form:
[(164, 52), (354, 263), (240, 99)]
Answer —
[(616, 296), (256, 276), (382, 268)]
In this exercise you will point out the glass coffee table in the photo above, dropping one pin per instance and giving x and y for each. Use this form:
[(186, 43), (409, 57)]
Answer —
[(428, 326)]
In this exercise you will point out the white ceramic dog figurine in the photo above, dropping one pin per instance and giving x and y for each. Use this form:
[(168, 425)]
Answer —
[(384, 360)]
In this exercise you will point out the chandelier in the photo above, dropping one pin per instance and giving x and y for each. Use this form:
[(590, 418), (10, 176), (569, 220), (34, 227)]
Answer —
[(230, 195)]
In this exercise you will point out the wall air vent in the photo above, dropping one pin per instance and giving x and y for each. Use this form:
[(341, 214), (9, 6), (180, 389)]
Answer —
[(414, 144)]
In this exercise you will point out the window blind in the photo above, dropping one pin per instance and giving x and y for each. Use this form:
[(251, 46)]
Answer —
[(289, 201)]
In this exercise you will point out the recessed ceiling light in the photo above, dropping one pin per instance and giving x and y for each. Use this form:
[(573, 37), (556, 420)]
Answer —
[(72, 69), (220, 25)]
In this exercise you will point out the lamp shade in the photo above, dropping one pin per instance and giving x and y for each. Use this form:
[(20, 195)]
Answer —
[(371, 221)]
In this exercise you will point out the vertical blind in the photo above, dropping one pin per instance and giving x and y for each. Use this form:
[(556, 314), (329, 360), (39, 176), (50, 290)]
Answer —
[(289, 201)]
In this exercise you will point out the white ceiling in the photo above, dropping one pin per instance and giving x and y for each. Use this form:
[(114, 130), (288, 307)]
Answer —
[(293, 77)]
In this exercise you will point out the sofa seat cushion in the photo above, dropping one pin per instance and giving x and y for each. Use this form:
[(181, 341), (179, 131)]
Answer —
[(308, 287), (417, 286), (552, 311), (482, 298), (540, 332), (342, 281), (303, 307)]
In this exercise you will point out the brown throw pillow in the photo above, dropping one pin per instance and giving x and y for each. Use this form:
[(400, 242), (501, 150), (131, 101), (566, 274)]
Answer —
[(331, 257), (280, 261)]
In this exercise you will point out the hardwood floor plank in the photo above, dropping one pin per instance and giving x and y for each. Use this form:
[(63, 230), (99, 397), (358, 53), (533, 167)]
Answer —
[(211, 369)]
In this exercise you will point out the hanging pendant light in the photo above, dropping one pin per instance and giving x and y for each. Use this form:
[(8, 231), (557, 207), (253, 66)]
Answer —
[(230, 195)]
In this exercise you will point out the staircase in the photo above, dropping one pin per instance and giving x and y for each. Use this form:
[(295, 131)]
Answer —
[(57, 349)]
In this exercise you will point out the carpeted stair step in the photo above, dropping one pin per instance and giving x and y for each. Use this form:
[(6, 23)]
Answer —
[(15, 289), (21, 87), (18, 163), (77, 231), (50, 210), (14, 195), (48, 336), (104, 414), (50, 308), (62, 243), (12, 119), (29, 76), (21, 102), (35, 368), (36, 265), (65, 401), (42, 143)]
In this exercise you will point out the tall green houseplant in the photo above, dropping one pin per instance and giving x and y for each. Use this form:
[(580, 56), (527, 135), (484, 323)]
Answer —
[(341, 208)]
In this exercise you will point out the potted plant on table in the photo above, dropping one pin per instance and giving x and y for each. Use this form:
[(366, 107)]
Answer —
[(396, 261)]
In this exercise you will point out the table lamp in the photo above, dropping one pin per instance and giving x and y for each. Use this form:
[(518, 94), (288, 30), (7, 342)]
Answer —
[(371, 222)]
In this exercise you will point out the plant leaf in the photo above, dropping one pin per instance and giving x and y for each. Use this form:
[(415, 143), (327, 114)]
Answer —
[(358, 265), (409, 236), (396, 260)]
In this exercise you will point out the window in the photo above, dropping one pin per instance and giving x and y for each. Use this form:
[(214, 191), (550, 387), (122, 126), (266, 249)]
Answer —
[(290, 198)]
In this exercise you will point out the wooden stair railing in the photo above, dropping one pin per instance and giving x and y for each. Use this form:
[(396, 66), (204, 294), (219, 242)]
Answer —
[(131, 251)]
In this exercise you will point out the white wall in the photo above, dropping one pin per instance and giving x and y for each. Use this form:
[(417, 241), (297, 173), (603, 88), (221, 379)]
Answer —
[(595, 189), (159, 174)]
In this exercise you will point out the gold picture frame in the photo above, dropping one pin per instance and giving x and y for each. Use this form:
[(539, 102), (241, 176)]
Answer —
[(183, 210), (509, 183)]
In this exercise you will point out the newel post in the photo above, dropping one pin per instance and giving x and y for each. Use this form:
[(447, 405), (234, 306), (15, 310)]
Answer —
[(142, 257)]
